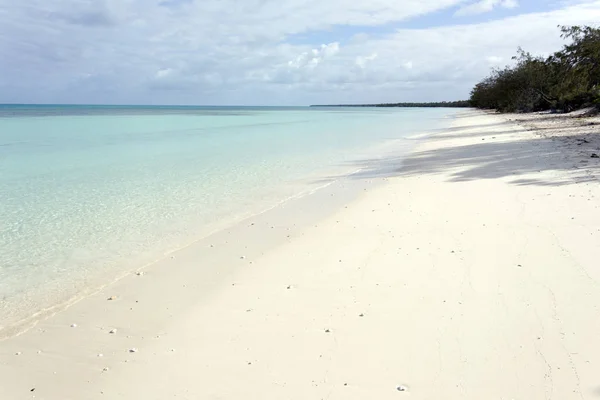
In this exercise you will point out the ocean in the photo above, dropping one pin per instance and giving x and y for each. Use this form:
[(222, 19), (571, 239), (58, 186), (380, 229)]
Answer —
[(90, 192)]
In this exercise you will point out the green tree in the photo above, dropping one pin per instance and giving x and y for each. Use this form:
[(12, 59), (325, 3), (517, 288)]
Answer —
[(569, 79), (580, 62)]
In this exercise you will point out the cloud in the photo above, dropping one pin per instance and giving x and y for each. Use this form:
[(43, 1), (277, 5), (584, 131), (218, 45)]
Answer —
[(484, 6), (163, 73), (362, 62), (88, 13), (231, 52), (311, 59), (494, 60)]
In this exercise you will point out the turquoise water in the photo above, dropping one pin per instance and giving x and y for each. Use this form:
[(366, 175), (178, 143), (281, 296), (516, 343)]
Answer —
[(88, 192)]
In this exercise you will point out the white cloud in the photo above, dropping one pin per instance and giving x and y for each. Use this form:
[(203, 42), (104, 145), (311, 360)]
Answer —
[(163, 73), (231, 52), (483, 6), (362, 62), (310, 59), (494, 60)]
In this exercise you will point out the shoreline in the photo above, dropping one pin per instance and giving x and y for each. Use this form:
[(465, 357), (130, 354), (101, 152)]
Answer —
[(465, 270), (21, 326), (286, 192)]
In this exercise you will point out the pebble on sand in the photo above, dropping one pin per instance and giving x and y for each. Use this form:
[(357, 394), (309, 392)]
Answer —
[(133, 350), (112, 331), (402, 388), (139, 273), (18, 353), (112, 298), (73, 325), (105, 369)]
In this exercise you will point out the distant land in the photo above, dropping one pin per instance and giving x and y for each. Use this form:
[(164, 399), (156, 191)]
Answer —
[(447, 104)]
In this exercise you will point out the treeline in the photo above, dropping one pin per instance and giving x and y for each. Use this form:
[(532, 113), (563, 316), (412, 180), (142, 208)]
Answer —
[(448, 104), (565, 81)]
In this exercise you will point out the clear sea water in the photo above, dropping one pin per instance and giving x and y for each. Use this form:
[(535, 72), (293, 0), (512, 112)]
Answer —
[(89, 192)]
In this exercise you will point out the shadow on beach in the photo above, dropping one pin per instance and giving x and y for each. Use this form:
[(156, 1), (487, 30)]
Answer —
[(494, 157)]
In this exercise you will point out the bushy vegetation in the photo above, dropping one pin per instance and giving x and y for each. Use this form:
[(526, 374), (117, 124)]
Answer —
[(565, 81)]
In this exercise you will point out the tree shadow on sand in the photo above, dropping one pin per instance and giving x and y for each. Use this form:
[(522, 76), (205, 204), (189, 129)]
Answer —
[(522, 161)]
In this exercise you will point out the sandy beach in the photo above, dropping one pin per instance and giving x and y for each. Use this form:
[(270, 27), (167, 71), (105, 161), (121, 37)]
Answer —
[(467, 270)]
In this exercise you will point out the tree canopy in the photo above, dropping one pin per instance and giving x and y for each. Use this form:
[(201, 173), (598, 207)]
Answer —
[(568, 79)]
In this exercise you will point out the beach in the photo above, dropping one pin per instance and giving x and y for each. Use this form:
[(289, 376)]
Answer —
[(467, 269), (89, 194)]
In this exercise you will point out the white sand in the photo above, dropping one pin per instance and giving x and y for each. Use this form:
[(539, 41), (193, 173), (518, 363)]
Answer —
[(473, 272)]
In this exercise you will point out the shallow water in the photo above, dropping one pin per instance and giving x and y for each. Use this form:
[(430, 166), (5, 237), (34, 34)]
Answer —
[(89, 192)]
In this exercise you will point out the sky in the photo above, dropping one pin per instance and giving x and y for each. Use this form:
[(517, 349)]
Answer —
[(267, 52)]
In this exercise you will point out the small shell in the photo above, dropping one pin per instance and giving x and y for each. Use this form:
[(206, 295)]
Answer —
[(402, 388)]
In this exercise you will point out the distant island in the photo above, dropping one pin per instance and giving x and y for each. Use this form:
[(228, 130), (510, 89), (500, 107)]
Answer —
[(439, 104)]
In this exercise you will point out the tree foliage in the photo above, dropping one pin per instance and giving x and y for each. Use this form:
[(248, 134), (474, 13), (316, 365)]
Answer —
[(567, 80)]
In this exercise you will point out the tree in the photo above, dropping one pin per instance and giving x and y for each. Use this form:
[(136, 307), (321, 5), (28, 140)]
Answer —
[(581, 66), (567, 80)]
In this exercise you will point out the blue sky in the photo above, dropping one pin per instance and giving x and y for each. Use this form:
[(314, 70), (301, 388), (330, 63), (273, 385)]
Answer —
[(256, 52), (439, 18)]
